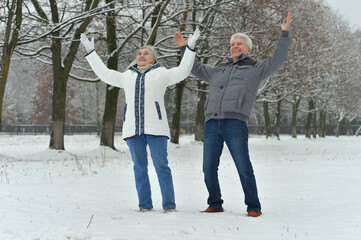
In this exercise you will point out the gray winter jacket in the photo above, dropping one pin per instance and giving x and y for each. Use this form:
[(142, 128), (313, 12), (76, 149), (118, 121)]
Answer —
[(234, 85)]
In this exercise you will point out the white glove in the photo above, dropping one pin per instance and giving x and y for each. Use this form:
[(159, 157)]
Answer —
[(89, 45), (193, 38)]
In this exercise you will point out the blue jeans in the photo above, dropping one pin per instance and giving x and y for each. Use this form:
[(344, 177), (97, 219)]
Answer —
[(158, 150), (235, 134)]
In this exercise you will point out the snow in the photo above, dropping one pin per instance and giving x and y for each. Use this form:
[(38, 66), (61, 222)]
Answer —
[(309, 189)]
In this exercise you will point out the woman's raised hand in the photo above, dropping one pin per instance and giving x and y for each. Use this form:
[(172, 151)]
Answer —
[(89, 45), (191, 41), (193, 38)]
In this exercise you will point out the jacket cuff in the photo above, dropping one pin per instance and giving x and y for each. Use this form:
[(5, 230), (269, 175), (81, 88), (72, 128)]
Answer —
[(89, 53), (193, 50), (183, 48), (284, 33)]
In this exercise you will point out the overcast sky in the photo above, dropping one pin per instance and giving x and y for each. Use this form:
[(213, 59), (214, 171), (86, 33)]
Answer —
[(350, 9)]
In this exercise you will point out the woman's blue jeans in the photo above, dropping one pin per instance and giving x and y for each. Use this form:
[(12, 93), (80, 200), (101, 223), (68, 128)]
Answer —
[(158, 150), (235, 134)]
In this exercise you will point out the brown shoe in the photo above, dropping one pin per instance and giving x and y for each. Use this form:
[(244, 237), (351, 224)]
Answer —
[(212, 210), (144, 210), (252, 213), (169, 210)]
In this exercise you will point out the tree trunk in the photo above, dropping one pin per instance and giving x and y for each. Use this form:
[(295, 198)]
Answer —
[(308, 123), (59, 95), (109, 117), (177, 112), (61, 70), (278, 120), (10, 41), (267, 122), (199, 133), (5, 65), (338, 128), (348, 128), (202, 95), (111, 99), (294, 117), (322, 125), (314, 124), (175, 126), (207, 21)]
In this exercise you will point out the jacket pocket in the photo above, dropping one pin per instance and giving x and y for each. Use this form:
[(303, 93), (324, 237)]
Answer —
[(125, 111), (158, 110)]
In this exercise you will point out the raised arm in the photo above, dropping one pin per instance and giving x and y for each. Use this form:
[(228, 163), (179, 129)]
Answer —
[(277, 59), (105, 74), (201, 71), (177, 74)]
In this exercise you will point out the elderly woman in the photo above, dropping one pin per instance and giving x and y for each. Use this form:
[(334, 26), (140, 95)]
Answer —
[(145, 120)]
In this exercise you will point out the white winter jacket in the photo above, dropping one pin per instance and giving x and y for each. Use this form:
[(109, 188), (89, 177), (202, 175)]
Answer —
[(144, 111)]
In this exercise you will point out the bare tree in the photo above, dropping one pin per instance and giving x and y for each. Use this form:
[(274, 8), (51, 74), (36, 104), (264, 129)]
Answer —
[(61, 28), (12, 17), (179, 88)]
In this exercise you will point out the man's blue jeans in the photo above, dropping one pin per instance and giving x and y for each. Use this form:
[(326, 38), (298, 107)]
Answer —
[(235, 134), (158, 150)]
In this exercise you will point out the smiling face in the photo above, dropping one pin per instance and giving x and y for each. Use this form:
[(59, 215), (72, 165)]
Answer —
[(144, 57), (239, 46)]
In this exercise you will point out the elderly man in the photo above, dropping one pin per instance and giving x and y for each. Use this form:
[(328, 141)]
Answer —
[(232, 93)]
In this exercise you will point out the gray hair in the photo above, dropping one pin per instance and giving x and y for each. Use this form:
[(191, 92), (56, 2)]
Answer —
[(152, 51), (244, 36)]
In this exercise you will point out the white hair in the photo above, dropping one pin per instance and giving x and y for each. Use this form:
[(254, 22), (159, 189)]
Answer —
[(152, 51), (244, 36)]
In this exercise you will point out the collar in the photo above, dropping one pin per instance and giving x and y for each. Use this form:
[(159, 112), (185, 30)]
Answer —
[(135, 68), (240, 58)]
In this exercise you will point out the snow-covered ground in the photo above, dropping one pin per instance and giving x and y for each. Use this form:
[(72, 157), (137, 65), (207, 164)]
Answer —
[(309, 189)]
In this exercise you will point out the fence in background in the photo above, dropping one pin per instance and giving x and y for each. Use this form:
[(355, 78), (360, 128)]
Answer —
[(186, 129)]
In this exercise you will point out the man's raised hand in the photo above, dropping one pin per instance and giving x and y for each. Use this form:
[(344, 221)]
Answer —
[(191, 41), (179, 39), (286, 26)]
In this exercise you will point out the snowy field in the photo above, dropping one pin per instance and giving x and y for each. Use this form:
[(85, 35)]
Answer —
[(309, 189)]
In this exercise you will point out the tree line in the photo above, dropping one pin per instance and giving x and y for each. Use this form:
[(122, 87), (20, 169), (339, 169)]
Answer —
[(321, 78)]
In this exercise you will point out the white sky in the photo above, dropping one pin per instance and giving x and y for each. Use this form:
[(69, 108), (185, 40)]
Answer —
[(350, 9)]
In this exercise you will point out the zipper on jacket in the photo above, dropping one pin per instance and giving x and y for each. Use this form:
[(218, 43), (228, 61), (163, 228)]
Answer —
[(139, 100), (140, 93), (225, 87)]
